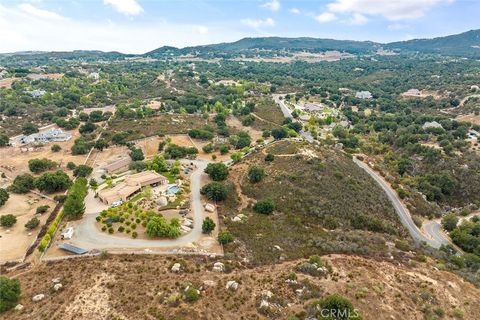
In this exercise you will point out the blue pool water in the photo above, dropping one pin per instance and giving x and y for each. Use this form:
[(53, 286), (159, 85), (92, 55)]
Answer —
[(173, 189)]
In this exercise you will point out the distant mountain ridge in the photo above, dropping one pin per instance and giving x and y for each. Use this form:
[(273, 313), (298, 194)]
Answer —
[(466, 44)]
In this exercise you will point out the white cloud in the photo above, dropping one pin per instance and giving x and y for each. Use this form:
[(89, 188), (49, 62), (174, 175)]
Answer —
[(17, 33), (326, 17), (397, 27), (39, 13), (358, 19), (273, 5), (254, 23), (390, 9), (200, 29), (126, 7), (295, 11)]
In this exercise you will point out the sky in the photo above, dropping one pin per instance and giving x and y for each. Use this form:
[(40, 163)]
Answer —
[(138, 26)]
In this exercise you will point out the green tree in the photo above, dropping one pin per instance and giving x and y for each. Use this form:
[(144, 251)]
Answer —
[(217, 171), (3, 196), (7, 220), (41, 165), (136, 154), (100, 144), (279, 133), (255, 174), (225, 237), (22, 183), (208, 225), (157, 164), (74, 206), (157, 226), (82, 171), (236, 157), (264, 206), (449, 221), (191, 295), (214, 191), (32, 223), (53, 182), (87, 128), (9, 293), (29, 128), (3, 139), (71, 165), (56, 148)]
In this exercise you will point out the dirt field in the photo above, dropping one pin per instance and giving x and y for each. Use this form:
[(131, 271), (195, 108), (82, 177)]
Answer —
[(144, 287), (14, 244), (14, 162), (233, 122), (475, 119), (51, 76), (7, 82)]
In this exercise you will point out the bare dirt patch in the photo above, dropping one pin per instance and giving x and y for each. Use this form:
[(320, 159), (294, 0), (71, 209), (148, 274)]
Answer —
[(14, 243)]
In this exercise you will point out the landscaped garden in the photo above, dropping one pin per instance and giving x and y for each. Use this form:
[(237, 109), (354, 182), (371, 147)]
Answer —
[(131, 219)]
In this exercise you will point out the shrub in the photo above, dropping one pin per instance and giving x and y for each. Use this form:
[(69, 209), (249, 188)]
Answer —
[(56, 148), (110, 230), (335, 306), (9, 293), (214, 191), (269, 157), (7, 220), (134, 234), (42, 209), (71, 165), (3, 196), (121, 229), (157, 226), (264, 206), (255, 174), (32, 223), (208, 225), (449, 221), (191, 295), (225, 237)]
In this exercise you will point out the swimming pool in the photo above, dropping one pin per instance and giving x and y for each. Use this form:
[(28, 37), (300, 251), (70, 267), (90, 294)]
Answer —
[(173, 190)]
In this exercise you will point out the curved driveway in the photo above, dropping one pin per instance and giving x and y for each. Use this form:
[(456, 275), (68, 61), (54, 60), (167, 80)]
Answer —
[(88, 236)]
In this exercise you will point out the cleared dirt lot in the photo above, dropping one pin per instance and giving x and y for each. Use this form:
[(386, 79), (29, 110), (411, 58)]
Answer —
[(14, 162), (475, 119), (14, 244)]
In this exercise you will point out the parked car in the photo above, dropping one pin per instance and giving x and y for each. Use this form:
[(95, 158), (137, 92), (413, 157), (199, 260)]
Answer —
[(116, 203), (67, 234)]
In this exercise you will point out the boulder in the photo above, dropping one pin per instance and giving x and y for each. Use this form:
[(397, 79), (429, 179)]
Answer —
[(209, 283), (264, 304), (176, 267), (57, 286), (232, 285), (19, 307), (218, 267), (56, 280), (267, 294), (38, 297)]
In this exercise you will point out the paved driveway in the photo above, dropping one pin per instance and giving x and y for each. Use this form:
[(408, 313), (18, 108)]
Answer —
[(88, 236)]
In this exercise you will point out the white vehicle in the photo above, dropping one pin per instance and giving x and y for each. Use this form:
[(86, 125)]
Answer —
[(67, 234), (116, 203)]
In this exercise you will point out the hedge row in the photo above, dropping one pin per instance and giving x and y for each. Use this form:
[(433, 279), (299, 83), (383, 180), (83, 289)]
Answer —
[(50, 232)]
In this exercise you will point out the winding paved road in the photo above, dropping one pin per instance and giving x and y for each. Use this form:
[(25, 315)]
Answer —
[(89, 237), (435, 238)]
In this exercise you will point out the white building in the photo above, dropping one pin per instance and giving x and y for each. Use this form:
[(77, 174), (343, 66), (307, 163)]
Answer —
[(363, 95), (433, 124), (51, 135), (36, 93), (94, 76)]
